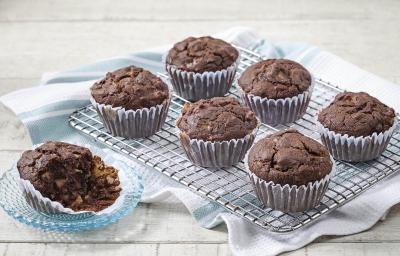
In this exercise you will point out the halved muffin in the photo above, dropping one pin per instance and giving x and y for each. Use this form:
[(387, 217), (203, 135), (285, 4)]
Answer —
[(68, 174)]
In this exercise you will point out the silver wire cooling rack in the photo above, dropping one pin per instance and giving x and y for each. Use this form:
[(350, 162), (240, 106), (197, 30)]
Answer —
[(230, 187)]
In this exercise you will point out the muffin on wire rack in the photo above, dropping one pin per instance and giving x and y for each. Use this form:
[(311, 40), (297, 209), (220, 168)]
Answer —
[(277, 90), (289, 171), (216, 132), (202, 67), (131, 102), (356, 127)]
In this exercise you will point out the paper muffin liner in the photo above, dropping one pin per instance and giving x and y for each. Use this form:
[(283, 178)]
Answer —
[(194, 86), (46, 205), (355, 149), (132, 123), (219, 153), (278, 111), (290, 198)]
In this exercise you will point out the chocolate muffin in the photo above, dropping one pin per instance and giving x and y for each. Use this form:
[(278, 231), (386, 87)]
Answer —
[(216, 132), (217, 119), (131, 102), (277, 90), (357, 114), (289, 171), (70, 175), (289, 157), (201, 68), (202, 54), (356, 127), (130, 88), (275, 79)]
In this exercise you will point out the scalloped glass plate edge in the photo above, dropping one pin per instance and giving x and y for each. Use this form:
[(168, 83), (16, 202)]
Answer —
[(14, 204)]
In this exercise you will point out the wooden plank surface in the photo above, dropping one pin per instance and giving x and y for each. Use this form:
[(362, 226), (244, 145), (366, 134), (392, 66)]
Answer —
[(42, 36), (206, 10), (86, 42), (317, 249)]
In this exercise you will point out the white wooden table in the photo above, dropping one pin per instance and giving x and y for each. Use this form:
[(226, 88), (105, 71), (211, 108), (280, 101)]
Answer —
[(40, 36)]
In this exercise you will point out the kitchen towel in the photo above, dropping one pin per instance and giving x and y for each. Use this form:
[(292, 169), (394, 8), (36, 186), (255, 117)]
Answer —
[(44, 109)]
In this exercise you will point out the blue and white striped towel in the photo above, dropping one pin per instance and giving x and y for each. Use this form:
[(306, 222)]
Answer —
[(44, 110)]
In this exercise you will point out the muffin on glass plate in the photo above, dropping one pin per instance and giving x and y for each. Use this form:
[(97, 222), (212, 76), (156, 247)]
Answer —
[(131, 102), (216, 132), (202, 67), (277, 90), (289, 171), (59, 177), (356, 126)]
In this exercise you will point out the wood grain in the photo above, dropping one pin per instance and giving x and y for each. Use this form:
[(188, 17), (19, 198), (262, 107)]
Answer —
[(13, 135), (47, 35), (104, 39), (348, 249), (11, 84), (317, 249), (207, 10)]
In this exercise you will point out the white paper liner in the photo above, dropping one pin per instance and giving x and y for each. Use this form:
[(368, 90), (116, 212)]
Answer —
[(219, 153), (46, 205), (355, 149), (290, 198), (195, 86), (132, 123), (278, 111)]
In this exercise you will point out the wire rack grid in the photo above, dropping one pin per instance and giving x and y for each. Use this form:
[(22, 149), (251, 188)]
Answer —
[(230, 187)]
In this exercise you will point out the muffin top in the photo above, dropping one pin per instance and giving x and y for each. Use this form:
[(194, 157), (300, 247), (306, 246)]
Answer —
[(356, 114), (289, 157), (275, 79), (131, 88), (202, 54), (217, 119), (68, 174)]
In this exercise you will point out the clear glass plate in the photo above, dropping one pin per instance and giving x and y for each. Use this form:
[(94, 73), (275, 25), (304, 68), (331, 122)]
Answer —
[(13, 202)]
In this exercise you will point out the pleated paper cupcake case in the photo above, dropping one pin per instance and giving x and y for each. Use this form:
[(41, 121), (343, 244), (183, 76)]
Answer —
[(355, 149), (195, 86), (217, 154), (132, 123), (278, 111)]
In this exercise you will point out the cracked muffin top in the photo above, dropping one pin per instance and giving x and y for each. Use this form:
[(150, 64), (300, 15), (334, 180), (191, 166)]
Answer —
[(289, 157), (70, 175), (275, 79), (357, 114), (217, 119), (202, 54), (131, 88)]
